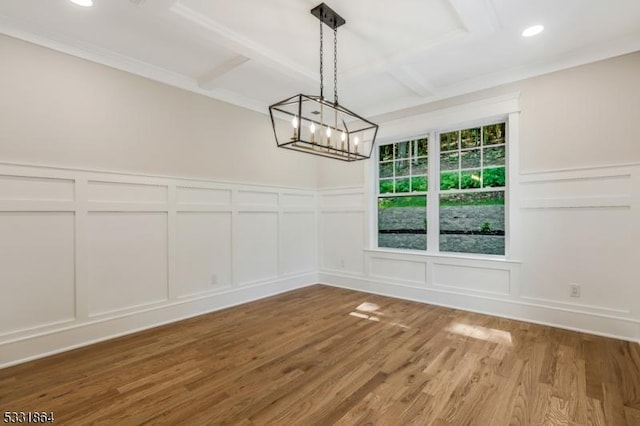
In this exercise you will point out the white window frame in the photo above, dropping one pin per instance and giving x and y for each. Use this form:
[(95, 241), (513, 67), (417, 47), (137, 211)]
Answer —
[(500, 109)]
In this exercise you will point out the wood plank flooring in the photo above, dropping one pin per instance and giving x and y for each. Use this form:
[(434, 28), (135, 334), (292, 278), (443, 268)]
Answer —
[(323, 355)]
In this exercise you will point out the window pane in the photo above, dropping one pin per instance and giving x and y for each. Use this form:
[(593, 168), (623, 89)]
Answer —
[(494, 134), (386, 152), (423, 145), (402, 150), (470, 159), (470, 179), (470, 138), (402, 185), (419, 183), (402, 168), (449, 141), (494, 177), (402, 222), (386, 169), (449, 161), (494, 156), (386, 186), (448, 180), (472, 222), (420, 166)]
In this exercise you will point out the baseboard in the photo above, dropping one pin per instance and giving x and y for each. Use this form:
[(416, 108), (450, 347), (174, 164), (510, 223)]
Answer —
[(584, 322), (78, 334)]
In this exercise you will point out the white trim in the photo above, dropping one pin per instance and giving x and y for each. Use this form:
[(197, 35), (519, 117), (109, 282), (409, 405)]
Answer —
[(82, 324), (577, 202), (124, 63), (529, 176), (611, 48), (94, 175), (484, 110), (35, 346), (570, 319), (445, 255)]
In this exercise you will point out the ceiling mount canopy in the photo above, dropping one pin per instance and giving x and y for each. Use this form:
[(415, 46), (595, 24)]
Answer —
[(312, 124)]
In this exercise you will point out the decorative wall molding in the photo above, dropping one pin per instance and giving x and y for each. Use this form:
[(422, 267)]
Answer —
[(117, 252), (618, 327), (191, 246), (600, 187), (559, 244)]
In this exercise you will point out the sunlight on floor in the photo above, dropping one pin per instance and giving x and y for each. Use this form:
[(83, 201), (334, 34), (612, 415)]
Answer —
[(482, 333), (367, 307), (371, 312)]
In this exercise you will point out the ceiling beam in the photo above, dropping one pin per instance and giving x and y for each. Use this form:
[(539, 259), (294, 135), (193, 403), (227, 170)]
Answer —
[(209, 79), (412, 81), (477, 16), (235, 42)]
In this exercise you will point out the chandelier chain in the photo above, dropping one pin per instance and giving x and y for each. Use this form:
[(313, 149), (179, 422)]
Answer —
[(321, 63), (335, 66)]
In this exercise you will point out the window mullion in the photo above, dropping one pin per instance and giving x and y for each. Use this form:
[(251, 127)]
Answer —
[(433, 224)]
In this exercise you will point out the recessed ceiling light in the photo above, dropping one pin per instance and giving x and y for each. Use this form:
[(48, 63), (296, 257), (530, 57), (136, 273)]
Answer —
[(84, 3), (533, 30)]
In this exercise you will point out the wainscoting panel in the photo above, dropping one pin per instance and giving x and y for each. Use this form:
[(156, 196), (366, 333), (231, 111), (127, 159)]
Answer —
[(35, 189), (298, 243), (203, 252), (89, 255), (577, 189), (118, 192), (567, 227), (475, 279), (342, 199), (257, 198), (401, 270), (36, 269), (256, 247), (298, 201), (127, 255), (206, 196), (343, 241)]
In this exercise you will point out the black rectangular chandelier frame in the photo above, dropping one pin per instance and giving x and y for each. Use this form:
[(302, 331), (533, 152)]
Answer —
[(345, 150), (341, 134)]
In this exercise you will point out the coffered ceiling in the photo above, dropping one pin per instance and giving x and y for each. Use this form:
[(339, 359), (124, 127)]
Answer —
[(392, 55)]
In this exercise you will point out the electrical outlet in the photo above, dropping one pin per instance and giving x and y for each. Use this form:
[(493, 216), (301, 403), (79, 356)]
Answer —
[(574, 290), (214, 279)]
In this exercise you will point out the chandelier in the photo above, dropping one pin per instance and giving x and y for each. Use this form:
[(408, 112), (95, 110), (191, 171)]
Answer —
[(312, 124)]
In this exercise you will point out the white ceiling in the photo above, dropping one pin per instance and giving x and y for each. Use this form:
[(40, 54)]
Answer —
[(392, 55)]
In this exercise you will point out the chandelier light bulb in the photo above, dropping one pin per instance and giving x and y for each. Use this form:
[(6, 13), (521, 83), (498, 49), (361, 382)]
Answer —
[(328, 132), (294, 123), (312, 129), (343, 137)]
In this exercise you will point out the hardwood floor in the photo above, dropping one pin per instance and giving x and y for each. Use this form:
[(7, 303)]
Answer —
[(323, 355)]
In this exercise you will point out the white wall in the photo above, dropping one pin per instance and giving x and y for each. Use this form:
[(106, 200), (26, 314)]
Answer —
[(87, 255), (576, 189), (60, 110), (88, 251)]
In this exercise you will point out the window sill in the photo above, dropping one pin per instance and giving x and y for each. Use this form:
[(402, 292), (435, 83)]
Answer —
[(453, 256)]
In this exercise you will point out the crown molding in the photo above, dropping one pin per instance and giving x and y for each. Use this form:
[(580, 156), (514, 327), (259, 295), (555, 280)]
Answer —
[(121, 62), (39, 36)]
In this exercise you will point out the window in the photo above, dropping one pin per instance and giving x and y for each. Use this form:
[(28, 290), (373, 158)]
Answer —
[(470, 193), (402, 194), (472, 190)]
